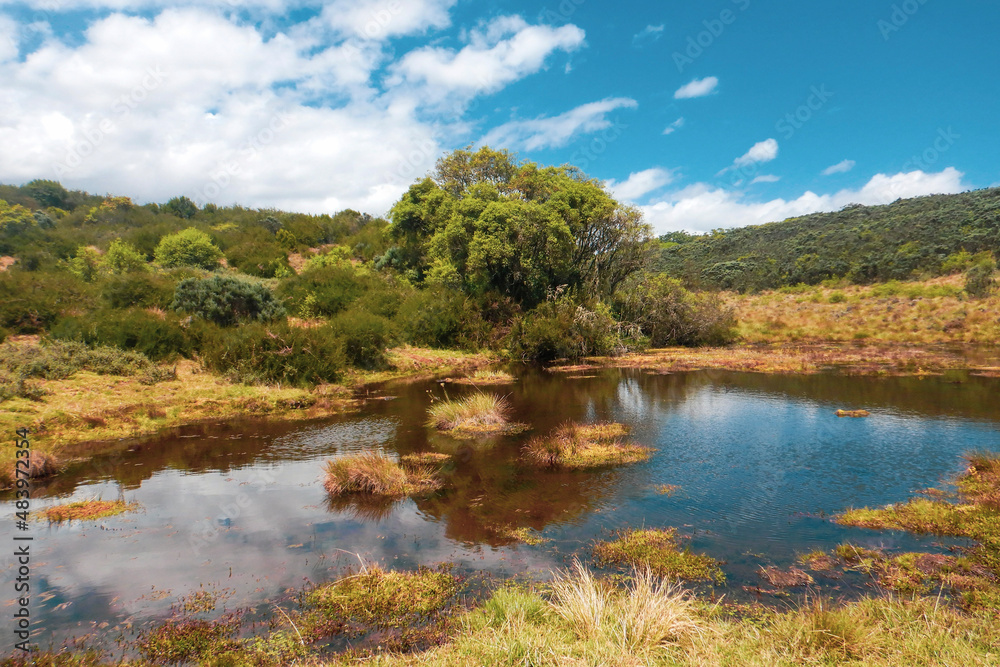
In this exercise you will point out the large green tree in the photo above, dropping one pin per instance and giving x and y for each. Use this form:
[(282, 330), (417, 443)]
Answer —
[(484, 223)]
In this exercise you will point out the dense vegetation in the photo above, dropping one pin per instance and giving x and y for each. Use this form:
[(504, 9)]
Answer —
[(486, 252), (922, 237)]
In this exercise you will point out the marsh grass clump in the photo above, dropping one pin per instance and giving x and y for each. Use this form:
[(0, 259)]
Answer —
[(981, 482), (384, 598), (647, 613), (375, 474), (486, 377), (88, 510), (473, 414), (853, 413), (919, 515), (585, 446), (791, 577), (818, 560), (660, 551), (188, 640)]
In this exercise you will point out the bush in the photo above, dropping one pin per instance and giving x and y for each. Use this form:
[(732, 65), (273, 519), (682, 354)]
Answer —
[(434, 317), (225, 300), (138, 289), (668, 314), (31, 301), (325, 291), (560, 328), (365, 337), (273, 353), (190, 247), (979, 279), (122, 257), (264, 260), (157, 337)]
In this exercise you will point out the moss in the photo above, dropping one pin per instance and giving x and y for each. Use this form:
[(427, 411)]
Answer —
[(585, 446), (660, 551), (88, 510), (384, 598)]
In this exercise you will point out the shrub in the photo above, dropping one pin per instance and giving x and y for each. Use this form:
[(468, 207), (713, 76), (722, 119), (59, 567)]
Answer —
[(979, 279), (273, 353), (433, 317), (122, 257), (264, 260), (323, 292), (365, 337), (154, 336), (138, 289), (190, 247), (560, 328), (225, 300), (31, 301), (671, 315)]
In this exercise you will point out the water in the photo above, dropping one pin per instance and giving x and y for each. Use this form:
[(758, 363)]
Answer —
[(761, 461)]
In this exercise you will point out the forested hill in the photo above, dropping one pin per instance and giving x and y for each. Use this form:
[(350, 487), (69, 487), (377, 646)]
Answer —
[(925, 236)]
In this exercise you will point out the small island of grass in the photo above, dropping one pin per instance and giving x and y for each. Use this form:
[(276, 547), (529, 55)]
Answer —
[(375, 474), (585, 446), (661, 552), (475, 414), (87, 510)]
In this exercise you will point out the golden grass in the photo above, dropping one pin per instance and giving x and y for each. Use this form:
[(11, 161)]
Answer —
[(853, 413), (473, 414), (88, 510), (378, 475), (483, 377), (104, 410), (582, 446)]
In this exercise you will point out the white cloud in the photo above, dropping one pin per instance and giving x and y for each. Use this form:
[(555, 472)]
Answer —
[(765, 178), (506, 50), (697, 88), (674, 126), (9, 38), (762, 151), (381, 19), (701, 207), (640, 183), (839, 168), (555, 131), (647, 35)]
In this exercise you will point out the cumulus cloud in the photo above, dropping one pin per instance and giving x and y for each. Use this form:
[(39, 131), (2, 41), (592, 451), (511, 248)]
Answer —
[(9, 39), (640, 183), (648, 35), (762, 151), (697, 88), (701, 207), (674, 126), (381, 19), (503, 51), (839, 168), (192, 102), (555, 131)]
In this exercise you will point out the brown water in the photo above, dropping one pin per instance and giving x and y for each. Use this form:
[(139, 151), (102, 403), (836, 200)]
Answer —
[(761, 461)]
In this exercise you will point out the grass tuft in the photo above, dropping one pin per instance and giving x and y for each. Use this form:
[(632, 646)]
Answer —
[(484, 377), (88, 510), (475, 413), (585, 446), (376, 474), (660, 551)]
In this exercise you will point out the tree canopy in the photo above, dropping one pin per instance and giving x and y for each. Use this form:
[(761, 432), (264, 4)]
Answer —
[(484, 223)]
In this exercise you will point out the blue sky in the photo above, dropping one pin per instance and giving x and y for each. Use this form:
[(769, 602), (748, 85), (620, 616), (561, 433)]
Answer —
[(705, 115)]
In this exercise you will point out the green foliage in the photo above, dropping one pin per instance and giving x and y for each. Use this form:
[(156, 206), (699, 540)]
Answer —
[(434, 317), (182, 207), (121, 257), (866, 244), (979, 278), (562, 328), (31, 301), (264, 260), (190, 247), (138, 289), (486, 224), (667, 314), (324, 291), (85, 264), (155, 336), (226, 301), (47, 193), (365, 337), (273, 353)]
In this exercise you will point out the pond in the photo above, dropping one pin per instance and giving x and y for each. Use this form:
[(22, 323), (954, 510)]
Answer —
[(760, 462)]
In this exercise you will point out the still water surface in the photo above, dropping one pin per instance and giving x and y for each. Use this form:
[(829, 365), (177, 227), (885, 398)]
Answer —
[(761, 462)]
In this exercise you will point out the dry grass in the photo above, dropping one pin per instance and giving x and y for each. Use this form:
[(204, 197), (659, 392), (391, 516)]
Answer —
[(475, 413), (375, 474), (853, 413), (582, 446), (648, 613), (484, 377), (88, 510)]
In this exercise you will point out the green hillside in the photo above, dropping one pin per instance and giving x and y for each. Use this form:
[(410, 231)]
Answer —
[(921, 237)]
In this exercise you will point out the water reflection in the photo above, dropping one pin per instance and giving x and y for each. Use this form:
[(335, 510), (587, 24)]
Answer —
[(759, 461)]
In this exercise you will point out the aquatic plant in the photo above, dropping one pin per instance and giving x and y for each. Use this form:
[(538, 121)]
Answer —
[(475, 413), (88, 510), (377, 474), (585, 446), (660, 551)]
